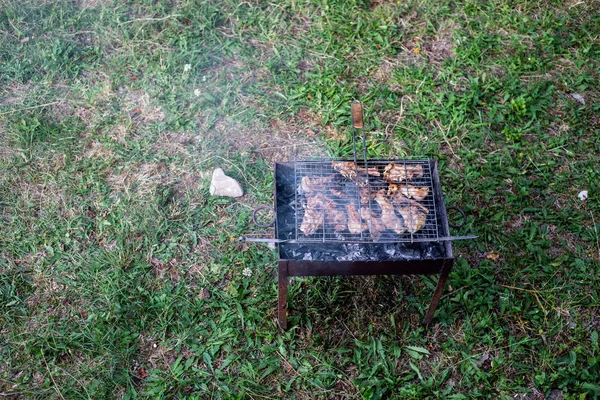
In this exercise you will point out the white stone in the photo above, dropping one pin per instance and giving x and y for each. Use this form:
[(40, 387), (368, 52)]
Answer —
[(578, 97), (223, 185), (583, 195)]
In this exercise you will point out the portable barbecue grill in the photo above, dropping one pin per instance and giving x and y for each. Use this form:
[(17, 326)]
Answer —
[(360, 217)]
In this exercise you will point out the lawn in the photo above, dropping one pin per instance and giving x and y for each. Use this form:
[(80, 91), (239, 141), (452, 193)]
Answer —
[(121, 277)]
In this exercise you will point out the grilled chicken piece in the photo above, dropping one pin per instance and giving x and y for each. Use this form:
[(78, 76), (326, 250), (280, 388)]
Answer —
[(414, 218), (313, 214), (335, 216), (400, 199), (337, 189), (355, 225), (388, 215), (417, 193), (353, 172), (366, 195), (311, 184), (400, 173), (376, 226)]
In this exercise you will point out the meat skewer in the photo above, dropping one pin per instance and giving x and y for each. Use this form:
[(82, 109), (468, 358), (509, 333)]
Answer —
[(395, 173)]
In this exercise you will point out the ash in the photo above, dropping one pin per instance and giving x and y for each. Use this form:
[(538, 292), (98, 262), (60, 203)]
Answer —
[(361, 251)]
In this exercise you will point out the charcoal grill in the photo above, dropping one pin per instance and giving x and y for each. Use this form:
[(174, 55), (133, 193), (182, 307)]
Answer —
[(313, 239)]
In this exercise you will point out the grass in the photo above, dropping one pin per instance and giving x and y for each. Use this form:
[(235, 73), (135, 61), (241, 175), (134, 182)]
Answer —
[(120, 276)]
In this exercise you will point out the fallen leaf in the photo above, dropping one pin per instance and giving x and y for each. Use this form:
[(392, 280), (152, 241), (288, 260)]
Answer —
[(310, 133), (492, 256), (142, 373)]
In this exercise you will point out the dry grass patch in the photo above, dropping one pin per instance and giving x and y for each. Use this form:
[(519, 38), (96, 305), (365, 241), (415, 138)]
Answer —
[(141, 109)]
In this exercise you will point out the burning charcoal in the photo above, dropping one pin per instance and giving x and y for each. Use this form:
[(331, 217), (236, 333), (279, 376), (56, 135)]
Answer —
[(400, 173), (376, 226), (417, 193), (388, 216), (314, 184), (353, 172), (354, 223), (433, 251), (411, 254)]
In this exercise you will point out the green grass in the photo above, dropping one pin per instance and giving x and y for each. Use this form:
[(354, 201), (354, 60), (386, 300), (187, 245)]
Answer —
[(121, 277)]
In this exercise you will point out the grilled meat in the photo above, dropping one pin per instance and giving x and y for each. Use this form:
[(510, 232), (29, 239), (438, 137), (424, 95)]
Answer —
[(400, 173), (337, 189), (366, 195), (414, 218), (313, 214), (400, 199), (417, 193), (353, 172), (355, 225), (376, 226), (388, 215), (310, 184), (335, 216)]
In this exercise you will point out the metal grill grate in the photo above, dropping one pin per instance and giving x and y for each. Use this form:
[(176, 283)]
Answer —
[(340, 202)]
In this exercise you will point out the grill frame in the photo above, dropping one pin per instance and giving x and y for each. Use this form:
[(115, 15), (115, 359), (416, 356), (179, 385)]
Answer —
[(293, 267)]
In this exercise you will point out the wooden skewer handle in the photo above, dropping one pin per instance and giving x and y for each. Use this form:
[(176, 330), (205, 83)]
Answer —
[(357, 116)]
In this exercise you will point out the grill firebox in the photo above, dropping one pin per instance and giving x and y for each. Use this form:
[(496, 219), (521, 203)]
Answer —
[(329, 254)]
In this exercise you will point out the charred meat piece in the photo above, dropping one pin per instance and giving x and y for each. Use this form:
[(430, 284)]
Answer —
[(415, 192), (310, 184), (353, 172), (355, 225), (376, 226), (313, 214), (335, 216), (414, 218), (402, 172), (388, 215)]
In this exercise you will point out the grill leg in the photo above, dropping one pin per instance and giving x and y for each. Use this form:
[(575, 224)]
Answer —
[(282, 278), (439, 289)]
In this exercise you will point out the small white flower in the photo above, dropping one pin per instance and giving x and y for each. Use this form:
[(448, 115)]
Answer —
[(197, 92), (583, 195), (203, 78), (247, 272), (187, 67)]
